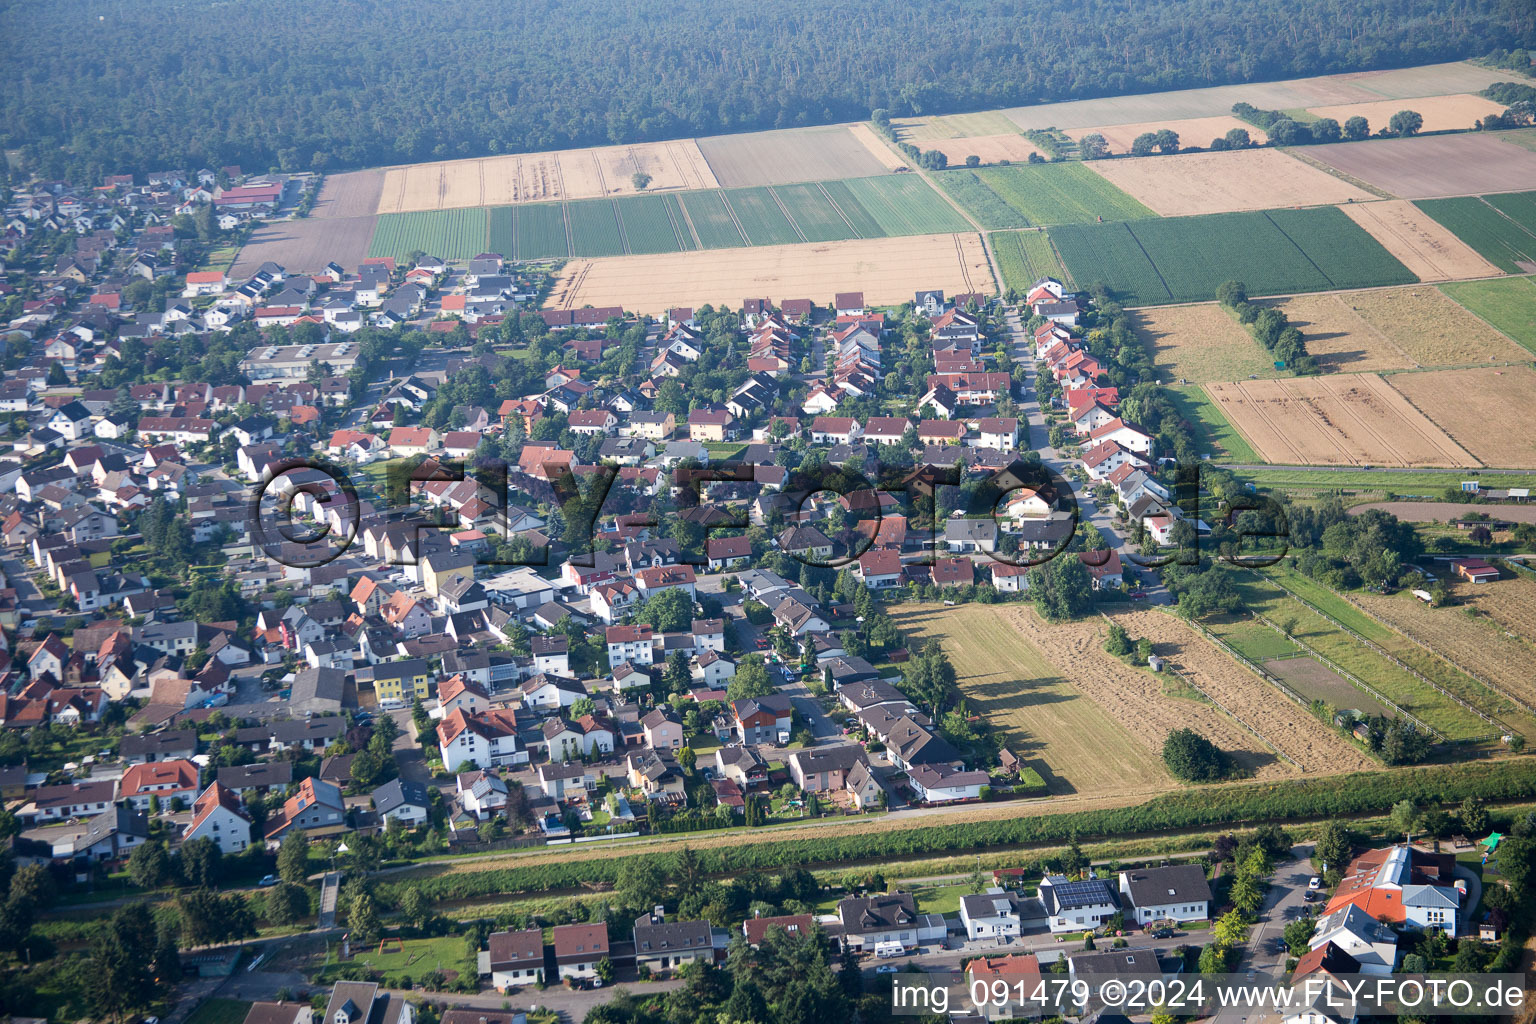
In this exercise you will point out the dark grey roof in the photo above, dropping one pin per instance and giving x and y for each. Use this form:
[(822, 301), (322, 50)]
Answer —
[(1175, 883), (400, 793)]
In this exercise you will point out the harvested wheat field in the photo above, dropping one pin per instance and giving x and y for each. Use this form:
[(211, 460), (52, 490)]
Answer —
[(1339, 420), (1279, 720), (1075, 744), (1135, 697), (352, 194), (1193, 131), (877, 147), (1418, 241), (1338, 338), (990, 149), (1474, 405), (788, 155), (1244, 179), (537, 177), (886, 270), (932, 127), (305, 245), (1475, 644), (1440, 113), (1403, 328), (1199, 342), (1429, 166)]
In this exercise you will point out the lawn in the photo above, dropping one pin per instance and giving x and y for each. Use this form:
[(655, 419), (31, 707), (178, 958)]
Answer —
[(407, 956), (1253, 640), (1024, 257), (1508, 304), (1047, 720), (942, 899), (1185, 259), (219, 1011), (1212, 432)]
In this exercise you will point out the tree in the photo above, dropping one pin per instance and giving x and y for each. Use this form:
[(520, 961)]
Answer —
[(57, 378), (1404, 817), (1144, 144), (1247, 894), (1238, 138), (199, 859), (667, 612), (1406, 122), (1193, 758), (1062, 588), (605, 970), (288, 903), (1357, 128), (1231, 929), (641, 883), (1474, 816), (751, 680), (1213, 959), (1298, 935), (208, 918), (363, 916), (1167, 140), (687, 759), (416, 908), (1325, 129), (973, 160), (1093, 146), (1333, 846), (929, 677), (293, 857), (639, 179), (122, 956), (149, 865)]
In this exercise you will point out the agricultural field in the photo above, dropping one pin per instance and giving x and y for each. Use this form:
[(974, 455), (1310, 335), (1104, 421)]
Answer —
[(1456, 112), (1397, 328), (1339, 419), (538, 177), (1418, 698), (905, 205), (654, 224), (1316, 681), (541, 230), (1195, 131), (1077, 745), (1184, 259), (1471, 404), (1200, 343), (306, 245), (712, 221), (594, 228), (1501, 235), (351, 194), (1429, 166), (887, 157), (450, 234), (1214, 434), (794, 154), (1420, 243), (761, 217), (886, 270), (1476, 642), (1024, 257), (1508, 304), (814, 213), (923, 131), (989, 149), (1186, 184), (1047, 194), (863, 223), (1426, 662), (985, 205)]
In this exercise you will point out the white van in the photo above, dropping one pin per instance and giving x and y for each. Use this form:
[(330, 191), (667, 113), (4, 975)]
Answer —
[(886, 950)]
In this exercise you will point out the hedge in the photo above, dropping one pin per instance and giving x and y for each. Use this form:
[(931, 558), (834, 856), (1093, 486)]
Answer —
[(1340, 796)]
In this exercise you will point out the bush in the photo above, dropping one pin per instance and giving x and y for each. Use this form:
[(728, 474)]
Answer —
[(1193, 758)]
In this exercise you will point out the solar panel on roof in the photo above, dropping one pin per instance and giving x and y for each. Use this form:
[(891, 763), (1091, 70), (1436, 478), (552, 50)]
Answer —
[(1081, 893)]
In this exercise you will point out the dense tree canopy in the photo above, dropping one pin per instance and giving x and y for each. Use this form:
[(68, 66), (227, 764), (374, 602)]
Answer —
[(101, 86)]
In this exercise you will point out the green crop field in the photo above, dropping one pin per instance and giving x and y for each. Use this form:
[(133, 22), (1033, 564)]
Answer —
[(1213, 433), (1064, 193), (594, 228), (760, 216), (648, 223), (1508, 303), (1025, 257), (1184, 259), (985, 205), (451, 234), (852, 210), (541, 231), (712, 220), (905, 204), (1501, 228), (813, 213), (501, 231)]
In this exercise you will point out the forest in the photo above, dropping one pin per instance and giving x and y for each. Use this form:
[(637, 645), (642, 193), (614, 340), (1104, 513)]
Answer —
[(119, 86)]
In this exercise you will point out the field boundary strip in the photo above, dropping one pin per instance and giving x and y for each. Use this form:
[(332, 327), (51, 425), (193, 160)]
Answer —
[(1377, 648)]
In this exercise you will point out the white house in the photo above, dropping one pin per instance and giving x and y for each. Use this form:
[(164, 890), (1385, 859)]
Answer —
[(1177, 892), (218, 815), (943, 784), (990, 914), (1371, 943), (1076, 906), (484, 740)]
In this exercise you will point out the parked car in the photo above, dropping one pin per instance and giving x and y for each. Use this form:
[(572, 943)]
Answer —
[(887, 969), (1314, 882), (267, 880)]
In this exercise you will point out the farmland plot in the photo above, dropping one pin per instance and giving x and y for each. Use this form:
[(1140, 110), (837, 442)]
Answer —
[(789, 155), (1338, 337), (712, 220), (450, 234), (1341, 419), (813, 213), (1185, 184), (1111, 254), (1316, 681), (989, 149), (760, 217), (1062, 193), (1428, 166), (1024, 257), (1200, 343), (594, 228), (1195, 131), (1401, 328), (904, 204), (648, 223), (1440, 113), (864, 224), (1043, 712), (1508, 304), (1502, 240), (1467, 402), (989, 209), (1195, 255), (1422, 245), (541, 231)]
